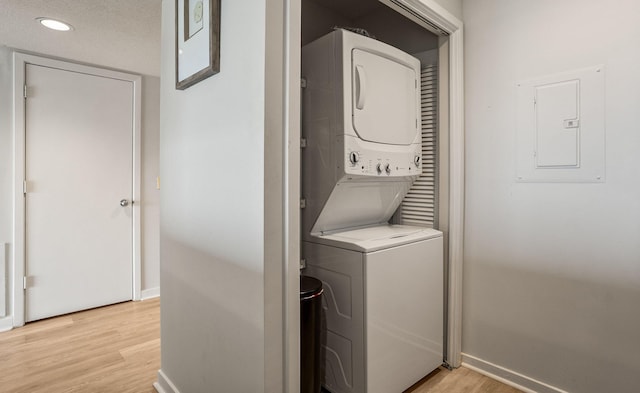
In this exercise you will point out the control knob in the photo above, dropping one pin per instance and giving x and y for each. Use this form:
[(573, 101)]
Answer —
[(416, 160), (379, 168), (387, 169), (354, 158)]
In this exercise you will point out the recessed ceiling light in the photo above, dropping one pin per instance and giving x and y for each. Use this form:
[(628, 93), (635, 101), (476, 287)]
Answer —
[(54, 24)]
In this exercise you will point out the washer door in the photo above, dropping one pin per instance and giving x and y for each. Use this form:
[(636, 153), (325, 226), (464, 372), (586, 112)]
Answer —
[(384, 99)]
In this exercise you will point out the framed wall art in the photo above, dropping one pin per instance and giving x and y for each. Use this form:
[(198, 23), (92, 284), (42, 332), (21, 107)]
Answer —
[(197, 41)]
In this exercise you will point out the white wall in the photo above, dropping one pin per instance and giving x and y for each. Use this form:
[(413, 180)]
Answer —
[(6, 142), (150, 213), (6, 163), (453, 6), (150, 147), (216, 329), (552, 271)]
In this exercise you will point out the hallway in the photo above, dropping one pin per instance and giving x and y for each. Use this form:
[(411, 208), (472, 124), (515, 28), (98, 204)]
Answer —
[(109, 349)]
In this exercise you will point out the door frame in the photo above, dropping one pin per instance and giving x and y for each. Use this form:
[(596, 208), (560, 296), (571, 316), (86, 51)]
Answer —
[(439, 21), (438, 16), (285, 71), (20, 61), (452, 26)]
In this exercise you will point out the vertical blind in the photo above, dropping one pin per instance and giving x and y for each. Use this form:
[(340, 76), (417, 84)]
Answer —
[(419, 205)]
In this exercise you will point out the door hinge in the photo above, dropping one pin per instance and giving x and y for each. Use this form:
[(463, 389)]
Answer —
[(24, 187), (24, 282), (24, 90), (303, 143), (303, 83), (303, 203), (303, 264)]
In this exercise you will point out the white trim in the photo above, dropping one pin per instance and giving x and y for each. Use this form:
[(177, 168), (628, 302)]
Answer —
[(292, 52), (451, 25), (507, 376), (20, 60), (17, 307), (137, 184), (150, 293), (6, 324), (456, 196), (435, 13), (164, 384), (282, 255)]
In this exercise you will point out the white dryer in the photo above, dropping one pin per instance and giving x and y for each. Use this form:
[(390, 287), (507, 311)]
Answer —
[(361, 123), (383, 301)]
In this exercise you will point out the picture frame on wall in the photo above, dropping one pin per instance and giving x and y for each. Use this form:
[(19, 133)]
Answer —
[(197, 41)]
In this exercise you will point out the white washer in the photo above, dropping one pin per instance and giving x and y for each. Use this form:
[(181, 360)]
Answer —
[(383, 301)]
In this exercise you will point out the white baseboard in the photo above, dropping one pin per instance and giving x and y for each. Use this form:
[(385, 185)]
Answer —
[(6, 323), (164, 384), (149, 293), (506, 376)]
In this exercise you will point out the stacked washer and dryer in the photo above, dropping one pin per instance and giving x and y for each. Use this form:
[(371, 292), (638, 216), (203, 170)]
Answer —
[(383, 283)]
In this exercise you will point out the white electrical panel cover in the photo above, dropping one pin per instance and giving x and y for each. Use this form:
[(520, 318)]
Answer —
[(557, 107), (561, 127)]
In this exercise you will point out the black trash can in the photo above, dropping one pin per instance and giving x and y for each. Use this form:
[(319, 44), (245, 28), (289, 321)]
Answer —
[(310, 316)]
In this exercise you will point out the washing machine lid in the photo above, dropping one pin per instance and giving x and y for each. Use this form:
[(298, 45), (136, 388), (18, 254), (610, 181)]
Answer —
[(360, 203), (385, 98), (377, 237)]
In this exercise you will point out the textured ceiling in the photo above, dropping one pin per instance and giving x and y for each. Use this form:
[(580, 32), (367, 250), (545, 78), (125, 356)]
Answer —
[(121, 34)]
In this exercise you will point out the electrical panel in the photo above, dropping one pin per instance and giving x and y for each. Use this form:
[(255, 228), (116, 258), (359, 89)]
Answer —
[(561, 127)]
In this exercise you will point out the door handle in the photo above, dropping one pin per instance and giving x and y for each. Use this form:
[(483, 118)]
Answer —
[(361, 87), (124, 203)]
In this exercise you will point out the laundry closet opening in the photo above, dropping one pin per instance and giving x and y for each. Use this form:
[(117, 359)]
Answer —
[(374, 110), (425, 204)]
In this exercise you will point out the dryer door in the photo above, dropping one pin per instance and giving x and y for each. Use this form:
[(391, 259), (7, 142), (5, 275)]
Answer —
[(385, 99)]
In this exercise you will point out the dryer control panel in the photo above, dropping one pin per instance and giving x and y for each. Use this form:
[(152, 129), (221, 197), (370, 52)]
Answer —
[(389, 161)]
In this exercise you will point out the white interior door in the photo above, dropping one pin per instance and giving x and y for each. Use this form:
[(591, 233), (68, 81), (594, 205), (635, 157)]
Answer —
[(78, 168)]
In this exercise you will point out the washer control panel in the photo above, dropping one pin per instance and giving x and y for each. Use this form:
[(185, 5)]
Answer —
[(379, 160), (383, 164)]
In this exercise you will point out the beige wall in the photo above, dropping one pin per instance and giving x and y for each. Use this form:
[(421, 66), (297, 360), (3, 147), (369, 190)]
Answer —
[(215, 203), (453, 6), (6, 172), (150, 213), (551, 270), (6, 143)]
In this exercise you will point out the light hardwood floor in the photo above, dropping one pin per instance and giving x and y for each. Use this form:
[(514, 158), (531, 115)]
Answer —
[(459, 380), (116, 349), (108, 349)]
